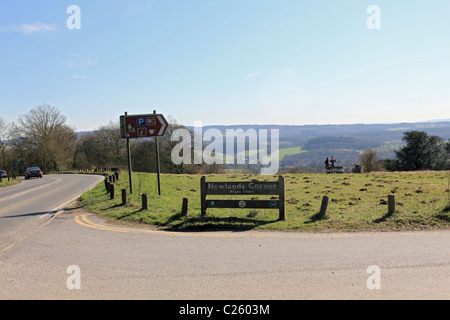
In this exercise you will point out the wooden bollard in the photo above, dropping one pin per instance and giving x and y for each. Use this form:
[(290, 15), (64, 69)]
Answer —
[(184, 207), (144, 201), (107, 184), (282, 208), (391, 204), (124, 196), (116, 174), (323, 208), (112, 191)]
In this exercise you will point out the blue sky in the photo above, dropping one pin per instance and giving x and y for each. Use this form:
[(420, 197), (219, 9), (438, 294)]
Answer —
[(227, 61)]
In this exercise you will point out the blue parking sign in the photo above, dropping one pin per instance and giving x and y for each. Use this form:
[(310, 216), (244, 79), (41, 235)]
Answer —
[(141, 121)]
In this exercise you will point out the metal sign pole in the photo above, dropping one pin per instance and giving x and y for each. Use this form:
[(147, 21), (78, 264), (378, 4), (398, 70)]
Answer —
[(129, 162), (157, 162)]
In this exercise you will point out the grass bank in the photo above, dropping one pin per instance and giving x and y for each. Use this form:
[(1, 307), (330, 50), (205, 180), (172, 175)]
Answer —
[(358, 202), (6, 183)]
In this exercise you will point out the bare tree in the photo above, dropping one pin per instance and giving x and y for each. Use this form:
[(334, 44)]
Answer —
[(369, 161), (44, 132), (104, 147), (5, 137)]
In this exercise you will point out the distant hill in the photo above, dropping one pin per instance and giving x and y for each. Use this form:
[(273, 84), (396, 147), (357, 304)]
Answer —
[(307, 146), (313, 143)]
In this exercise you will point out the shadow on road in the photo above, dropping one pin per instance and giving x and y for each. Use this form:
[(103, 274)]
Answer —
[(214, 223), (28, 214), (41, 213)]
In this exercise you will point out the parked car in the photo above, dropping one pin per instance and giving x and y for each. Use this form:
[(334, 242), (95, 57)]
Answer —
[(33, 172), (3, 174)]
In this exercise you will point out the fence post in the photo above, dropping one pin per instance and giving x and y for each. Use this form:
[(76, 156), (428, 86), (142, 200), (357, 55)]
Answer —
[(144, 201), (124, 196), (184, 207), (112, 191), (323, 208), (391, 204), (281, 199)]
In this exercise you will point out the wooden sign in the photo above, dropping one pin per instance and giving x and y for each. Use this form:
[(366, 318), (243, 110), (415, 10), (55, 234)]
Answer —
[(243, 188)]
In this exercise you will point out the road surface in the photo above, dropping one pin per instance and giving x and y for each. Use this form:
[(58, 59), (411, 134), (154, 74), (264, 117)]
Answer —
[(29, 205), (79, 256)]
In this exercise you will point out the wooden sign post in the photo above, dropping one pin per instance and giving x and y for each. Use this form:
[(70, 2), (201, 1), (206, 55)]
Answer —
[(244, 188)]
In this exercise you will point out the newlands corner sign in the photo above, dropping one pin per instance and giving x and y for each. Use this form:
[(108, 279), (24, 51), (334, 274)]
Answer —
[(236, 188), (244, 188)]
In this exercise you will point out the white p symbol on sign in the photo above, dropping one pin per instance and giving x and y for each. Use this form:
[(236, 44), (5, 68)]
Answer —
[(141, 122)]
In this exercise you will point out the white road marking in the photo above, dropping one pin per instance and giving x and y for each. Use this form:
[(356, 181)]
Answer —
[(58, 208), (19, 194)]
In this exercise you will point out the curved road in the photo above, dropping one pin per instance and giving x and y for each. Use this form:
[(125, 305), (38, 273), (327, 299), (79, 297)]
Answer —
[(77, 255), (29, 204)]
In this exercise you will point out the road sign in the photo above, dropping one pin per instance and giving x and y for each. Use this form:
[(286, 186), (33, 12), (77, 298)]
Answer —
[(142, 126)]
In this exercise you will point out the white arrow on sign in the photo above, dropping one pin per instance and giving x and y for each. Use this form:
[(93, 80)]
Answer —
[(163, 125)]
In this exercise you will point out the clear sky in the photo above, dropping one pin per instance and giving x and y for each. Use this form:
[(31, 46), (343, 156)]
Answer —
[(227, 61)]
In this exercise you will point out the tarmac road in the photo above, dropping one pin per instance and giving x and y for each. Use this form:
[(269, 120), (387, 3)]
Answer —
[(27, 206), (79, 256)]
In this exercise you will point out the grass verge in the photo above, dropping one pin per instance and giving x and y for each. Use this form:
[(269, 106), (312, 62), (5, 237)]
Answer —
[(358, 202), (6, 183)]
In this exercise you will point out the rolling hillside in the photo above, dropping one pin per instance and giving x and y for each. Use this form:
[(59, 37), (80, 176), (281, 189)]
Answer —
[(307, 146)]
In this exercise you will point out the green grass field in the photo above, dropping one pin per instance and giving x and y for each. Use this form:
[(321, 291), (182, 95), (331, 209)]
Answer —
[(357, 202)]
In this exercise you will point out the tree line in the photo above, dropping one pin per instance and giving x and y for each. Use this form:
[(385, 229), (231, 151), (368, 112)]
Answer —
[(42, 138), (420, 151)]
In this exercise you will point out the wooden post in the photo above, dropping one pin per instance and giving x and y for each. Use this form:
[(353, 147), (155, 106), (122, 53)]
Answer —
[(391, 204), (124, 196), (323, 208), (282, 208), (107, 185), (203, 195), (184, 208), (112, 191), (144, 201)]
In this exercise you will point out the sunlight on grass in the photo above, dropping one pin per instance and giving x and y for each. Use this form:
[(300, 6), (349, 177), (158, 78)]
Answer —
[(357, 202)]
